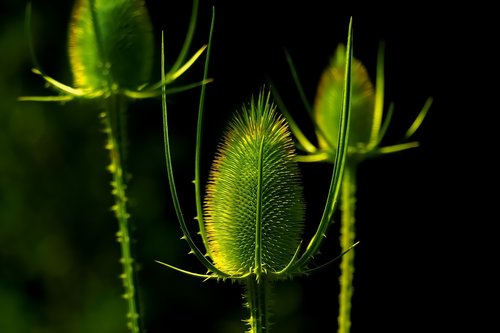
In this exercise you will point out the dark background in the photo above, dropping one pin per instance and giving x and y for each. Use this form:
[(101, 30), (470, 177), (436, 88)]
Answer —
[(58, 255)]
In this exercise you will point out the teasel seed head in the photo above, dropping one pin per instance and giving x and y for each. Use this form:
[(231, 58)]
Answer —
[(110, 44), (254, 206), (328, 103)]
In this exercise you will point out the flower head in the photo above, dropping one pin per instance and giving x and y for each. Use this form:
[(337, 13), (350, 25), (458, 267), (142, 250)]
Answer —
[(368, 125)]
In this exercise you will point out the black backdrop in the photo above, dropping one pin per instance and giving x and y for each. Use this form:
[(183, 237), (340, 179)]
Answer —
[(406, 263)]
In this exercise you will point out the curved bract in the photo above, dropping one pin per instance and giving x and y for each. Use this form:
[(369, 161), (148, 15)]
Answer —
[(254, 210), (110, 42)]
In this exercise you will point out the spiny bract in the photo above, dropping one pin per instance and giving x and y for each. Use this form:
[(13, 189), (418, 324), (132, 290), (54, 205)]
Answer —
[(254, 208)]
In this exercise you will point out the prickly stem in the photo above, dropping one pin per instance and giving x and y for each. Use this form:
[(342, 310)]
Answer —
[(347, 238), (113, 122), (258, 298)]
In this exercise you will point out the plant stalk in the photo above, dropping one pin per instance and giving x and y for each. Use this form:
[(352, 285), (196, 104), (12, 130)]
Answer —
[(347, 238), (114, 126), (257, 296)]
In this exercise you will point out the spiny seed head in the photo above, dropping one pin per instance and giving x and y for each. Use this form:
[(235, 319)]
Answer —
[(254, 208), (110, 44), (328, 103)]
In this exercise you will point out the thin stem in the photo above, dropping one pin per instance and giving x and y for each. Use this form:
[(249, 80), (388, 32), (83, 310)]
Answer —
[(257, 296), (113, 119), (347, 237)]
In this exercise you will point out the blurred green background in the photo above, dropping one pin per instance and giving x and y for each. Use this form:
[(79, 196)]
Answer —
[(58, 255)]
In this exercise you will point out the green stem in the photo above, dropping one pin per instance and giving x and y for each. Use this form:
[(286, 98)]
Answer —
[(347, 238), (114, 123), (257, 296)]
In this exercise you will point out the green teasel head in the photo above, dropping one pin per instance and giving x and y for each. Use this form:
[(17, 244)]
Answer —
[(110, 43), (328, 105), (368, 123), (251, 223), (110, 47), (254, 207)]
